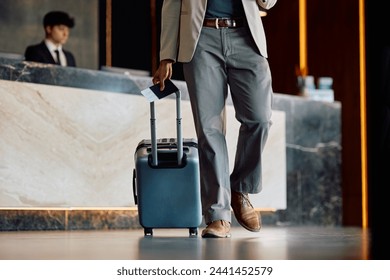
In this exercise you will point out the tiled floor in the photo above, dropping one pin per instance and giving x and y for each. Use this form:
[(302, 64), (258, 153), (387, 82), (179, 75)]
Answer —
[(272, 243)]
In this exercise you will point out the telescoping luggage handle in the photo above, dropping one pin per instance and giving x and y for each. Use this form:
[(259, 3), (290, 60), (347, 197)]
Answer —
[(179, 138)]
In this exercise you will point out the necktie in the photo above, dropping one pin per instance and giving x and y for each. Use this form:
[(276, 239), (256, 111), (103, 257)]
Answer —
[(58, 57)]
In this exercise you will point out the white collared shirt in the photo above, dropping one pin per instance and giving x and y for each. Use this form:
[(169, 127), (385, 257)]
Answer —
[(52, 48)]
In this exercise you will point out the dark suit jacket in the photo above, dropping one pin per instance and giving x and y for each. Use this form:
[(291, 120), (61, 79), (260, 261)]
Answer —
[(40, 53)]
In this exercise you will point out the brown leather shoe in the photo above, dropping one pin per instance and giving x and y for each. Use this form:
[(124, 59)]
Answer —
[(244, 212), (219, 228)]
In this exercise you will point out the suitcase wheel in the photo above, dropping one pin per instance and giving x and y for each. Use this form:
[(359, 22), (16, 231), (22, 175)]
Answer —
[(193, 231), (148, 231)]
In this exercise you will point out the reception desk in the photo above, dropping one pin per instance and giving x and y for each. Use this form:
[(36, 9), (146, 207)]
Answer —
[(69, 135)]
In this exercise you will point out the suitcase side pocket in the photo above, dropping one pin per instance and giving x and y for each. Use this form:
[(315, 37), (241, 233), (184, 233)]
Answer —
[(135, 187)]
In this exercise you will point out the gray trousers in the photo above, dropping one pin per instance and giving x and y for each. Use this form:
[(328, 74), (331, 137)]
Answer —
[(228, 58)]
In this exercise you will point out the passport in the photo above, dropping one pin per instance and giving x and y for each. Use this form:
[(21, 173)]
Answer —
[(154, 93)]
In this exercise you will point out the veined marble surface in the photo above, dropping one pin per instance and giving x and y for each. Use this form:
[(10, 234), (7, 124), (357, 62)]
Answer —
[(70, 147)]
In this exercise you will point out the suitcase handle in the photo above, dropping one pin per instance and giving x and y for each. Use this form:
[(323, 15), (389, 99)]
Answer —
[(179, 138)]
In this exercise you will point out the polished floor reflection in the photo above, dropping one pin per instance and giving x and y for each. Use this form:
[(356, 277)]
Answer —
[(272, 243)]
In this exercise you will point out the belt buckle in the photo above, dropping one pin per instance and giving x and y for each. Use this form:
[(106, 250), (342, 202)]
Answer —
[(216, 23)]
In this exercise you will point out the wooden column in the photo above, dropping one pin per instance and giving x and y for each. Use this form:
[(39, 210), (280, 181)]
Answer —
[(154, 35), (303, 68), (108, 32), (363, 112)]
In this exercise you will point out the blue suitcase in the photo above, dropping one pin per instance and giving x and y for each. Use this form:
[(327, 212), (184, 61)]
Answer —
[(166, 182)]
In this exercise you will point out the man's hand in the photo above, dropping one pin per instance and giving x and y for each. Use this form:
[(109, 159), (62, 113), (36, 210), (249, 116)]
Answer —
[(163, 72)]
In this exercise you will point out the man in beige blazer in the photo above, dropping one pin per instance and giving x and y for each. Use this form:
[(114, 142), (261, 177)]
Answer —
[(222, 46)]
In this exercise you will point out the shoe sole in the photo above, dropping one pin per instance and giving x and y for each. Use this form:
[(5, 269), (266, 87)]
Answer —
[(248, 228), (213, 235)]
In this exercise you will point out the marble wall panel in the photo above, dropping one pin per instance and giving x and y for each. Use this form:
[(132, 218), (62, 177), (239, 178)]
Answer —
[(67, 219)]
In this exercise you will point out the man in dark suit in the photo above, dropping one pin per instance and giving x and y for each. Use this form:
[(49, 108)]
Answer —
[(57, 26)]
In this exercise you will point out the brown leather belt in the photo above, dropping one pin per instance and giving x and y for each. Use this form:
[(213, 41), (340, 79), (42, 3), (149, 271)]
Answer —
[(224, 22)]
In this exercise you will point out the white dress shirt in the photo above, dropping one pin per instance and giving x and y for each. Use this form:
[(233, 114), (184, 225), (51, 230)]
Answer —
[(52, 48)]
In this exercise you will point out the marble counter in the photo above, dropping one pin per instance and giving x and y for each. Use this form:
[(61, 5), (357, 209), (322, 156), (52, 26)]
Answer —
[(310, 181), (70, 147)]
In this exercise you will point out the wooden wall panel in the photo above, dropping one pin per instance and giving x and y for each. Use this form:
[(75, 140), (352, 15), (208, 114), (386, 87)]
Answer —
[(281, 27), (333, 50)]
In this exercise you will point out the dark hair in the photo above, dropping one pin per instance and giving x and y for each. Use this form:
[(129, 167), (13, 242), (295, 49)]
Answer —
[(58, 18)]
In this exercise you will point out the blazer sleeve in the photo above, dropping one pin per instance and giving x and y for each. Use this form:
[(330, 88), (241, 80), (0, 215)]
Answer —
[(266, 4), (170, 23), (28, 54), (38, 53), (35, 53)]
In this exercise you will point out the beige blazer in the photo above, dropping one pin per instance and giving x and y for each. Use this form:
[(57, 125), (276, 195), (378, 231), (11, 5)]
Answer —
[(179, 44)]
